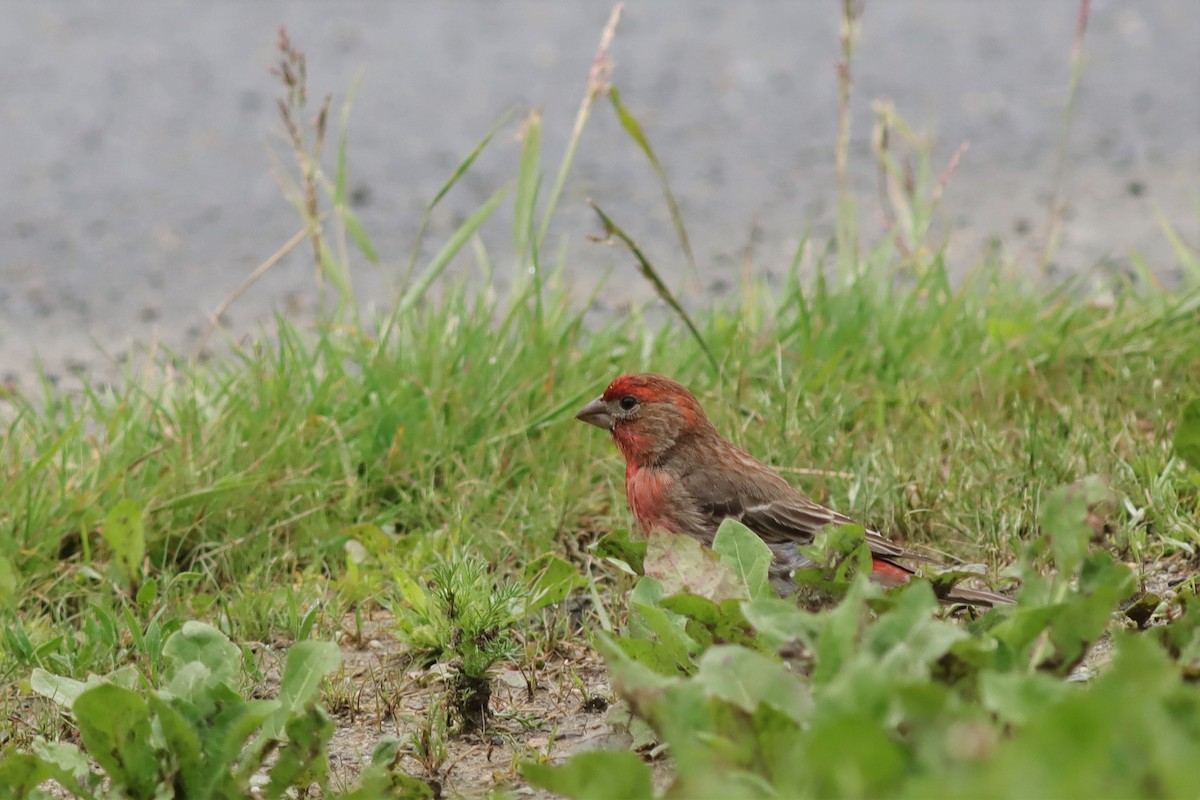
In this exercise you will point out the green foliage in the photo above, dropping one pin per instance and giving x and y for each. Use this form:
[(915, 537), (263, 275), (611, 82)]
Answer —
[(880, 696), (382, 777), (467, 619), (594, 776), (462, 614), (193, 736), (549, 580), (622, 551), (125, 536), (1186, 443)]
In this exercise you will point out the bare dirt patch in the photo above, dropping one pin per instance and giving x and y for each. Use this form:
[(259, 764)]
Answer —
[(557, 708)]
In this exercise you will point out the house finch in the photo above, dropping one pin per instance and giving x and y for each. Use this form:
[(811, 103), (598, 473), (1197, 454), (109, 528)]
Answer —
[(683, 477)]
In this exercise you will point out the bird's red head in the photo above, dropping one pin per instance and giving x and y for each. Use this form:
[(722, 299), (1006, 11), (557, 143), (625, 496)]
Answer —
[(646, 414)]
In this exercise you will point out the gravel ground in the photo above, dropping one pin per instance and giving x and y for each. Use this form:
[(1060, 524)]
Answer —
[(139, 192)]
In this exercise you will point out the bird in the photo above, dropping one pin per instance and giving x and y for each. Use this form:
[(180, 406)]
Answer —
[(683, 477)]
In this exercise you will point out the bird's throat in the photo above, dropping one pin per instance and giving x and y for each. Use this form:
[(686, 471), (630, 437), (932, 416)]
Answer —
[(634, 446)]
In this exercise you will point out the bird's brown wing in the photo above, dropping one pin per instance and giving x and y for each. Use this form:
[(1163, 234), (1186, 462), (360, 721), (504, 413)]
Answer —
[(796, 521), (764, 502)]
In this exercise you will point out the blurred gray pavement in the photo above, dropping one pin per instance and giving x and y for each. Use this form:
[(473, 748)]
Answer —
[(138, 192)]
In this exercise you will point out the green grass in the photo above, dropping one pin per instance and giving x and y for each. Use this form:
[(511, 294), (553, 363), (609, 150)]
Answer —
[(952, 407), (940, 413)]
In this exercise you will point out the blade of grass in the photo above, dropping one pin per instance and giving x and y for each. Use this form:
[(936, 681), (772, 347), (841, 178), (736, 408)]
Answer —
[(339, 182), (524, 203), (650, 274), (1055, 209), (597, 84), (449, 250), (351, 224), (458, 172), (635, 131), (847, 216), (1189, 259), (214, 319)]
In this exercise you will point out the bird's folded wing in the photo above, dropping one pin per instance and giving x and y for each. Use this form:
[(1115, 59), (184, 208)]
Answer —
[(798, 521)]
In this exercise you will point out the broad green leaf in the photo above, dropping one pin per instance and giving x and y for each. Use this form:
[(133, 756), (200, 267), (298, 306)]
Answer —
[(680, 564), (384, 777), (116, 729), (1085, 615), (304, 759), (908, 639), (202, 643), (387, 751), (65, 691), (1019, 633), (183, 742), (550, 579), (840, 630), (21, 773), (848, 755), (125, 536), (146, 595), (747, 555), (746, 679), (67, 764), (1063, 518), (637, 683), (710, 622), (1101, 574), (660, 639), (780, 622), (713, 781), (594, 776), (646, 592), (225, 742), (619, 546), (192, 682), (1017, 697), (1186, 443), (1131, 734), (412, 593), (307, 664)]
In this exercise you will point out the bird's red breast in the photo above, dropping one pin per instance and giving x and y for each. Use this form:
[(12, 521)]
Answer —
[(648, 492)]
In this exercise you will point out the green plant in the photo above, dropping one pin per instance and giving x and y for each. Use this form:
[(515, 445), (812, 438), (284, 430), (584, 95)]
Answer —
[(880, 697), (193, 736), (382, 777), (465, 617)]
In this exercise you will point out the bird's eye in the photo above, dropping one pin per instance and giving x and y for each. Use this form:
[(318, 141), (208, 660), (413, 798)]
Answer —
[(628, 402)]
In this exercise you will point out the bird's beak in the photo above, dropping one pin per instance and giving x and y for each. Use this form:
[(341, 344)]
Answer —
[(596, 413)]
